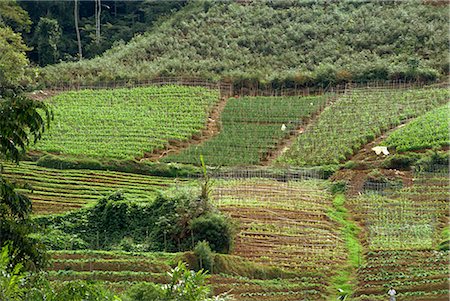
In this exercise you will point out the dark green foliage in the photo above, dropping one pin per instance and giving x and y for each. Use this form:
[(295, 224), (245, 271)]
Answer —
[(146, 168), (82, 290), (16, 228), (146, 291), (338, 187), (215, 229), (301, 44), (58, 240), (444, 244), (434, 161), (47, 35), (164, 225), (204, 255), (23, 121), (401, 161), (120, 21)]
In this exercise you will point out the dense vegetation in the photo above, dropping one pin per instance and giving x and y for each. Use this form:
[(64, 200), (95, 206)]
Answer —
[(427, 131), (174, 221), (356, 118), (251, 129), (126, 123), (57, 191), (296, 42), (119, 229), (52, 33)]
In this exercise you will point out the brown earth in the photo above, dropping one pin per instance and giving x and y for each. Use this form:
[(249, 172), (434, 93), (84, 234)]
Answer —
[(176, 146)]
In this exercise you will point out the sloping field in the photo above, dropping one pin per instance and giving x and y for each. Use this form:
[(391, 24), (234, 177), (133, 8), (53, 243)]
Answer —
[(285, 224), (403, 235), (252, 129), (126, 123), (356, 118), (57, 191), (281, 225), (427, 131)]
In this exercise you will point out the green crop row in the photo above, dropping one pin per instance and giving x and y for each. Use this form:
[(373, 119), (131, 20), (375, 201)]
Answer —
[(397, 224), (356, 118), (252, 128), (427, 131), (125, 123), (55, 191)]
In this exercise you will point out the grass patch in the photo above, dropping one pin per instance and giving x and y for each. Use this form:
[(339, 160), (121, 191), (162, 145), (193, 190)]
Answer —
[(344, 279)]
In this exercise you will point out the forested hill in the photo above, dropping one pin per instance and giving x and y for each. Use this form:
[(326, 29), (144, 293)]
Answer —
[(270, 41)]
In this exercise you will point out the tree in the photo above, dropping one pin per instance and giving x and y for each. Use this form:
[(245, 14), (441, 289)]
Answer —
[(76, 13), (23, 120), (48, 36)]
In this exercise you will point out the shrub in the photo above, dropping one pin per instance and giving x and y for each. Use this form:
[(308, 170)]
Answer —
[(401, 161), (204, 255), (216, 229), (145, 292)]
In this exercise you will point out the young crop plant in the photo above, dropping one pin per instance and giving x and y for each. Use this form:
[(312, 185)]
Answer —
[(427, 131), (126, 123), (252, 128), (359, 116)]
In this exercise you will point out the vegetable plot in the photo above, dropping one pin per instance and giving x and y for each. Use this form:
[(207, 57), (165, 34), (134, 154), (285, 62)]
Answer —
[(57, 191), (126, 123), (356, 118), (427, 131), (252, 128), (404, 240), (285, 225)]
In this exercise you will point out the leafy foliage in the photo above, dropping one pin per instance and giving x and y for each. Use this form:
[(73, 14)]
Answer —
[(297, 43), (169, 223), (48, 34), (252, 128), (427, 131), (11, 276), (126, 123), (21, 120), (119, 20)]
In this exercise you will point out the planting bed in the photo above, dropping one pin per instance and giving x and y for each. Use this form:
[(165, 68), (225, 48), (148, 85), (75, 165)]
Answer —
[(403, 234), (126, 123), (427, 131), (57, 191), (252, 129), (357, 117), (284, 224)]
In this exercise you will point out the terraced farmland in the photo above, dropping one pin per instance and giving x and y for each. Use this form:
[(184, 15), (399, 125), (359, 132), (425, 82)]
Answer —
[(356, 118), (252, 129), (285, 225), (415, 275), (56, 191), (403, 235), (126, 123)]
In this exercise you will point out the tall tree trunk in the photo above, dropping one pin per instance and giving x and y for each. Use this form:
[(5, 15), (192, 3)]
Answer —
[(76, 13), (98, 11)]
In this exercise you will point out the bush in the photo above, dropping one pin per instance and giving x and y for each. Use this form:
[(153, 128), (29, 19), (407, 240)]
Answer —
[(401, 161), (145, 292), (338, 187), (164, 225), (145, 168), (56, 239), (216, 229)]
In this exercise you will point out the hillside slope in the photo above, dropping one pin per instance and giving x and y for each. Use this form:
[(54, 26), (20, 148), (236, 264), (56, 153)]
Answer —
[(309, 43)]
